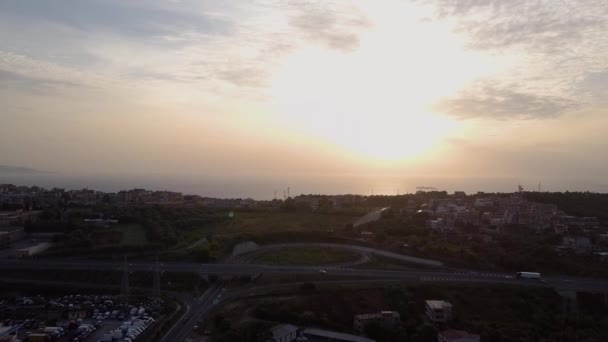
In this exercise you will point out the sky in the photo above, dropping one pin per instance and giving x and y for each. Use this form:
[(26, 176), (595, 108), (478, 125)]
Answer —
[(244, 98)]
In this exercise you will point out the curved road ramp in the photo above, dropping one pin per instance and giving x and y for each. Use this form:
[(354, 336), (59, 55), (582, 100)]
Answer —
[(244, 248), (354, 248)]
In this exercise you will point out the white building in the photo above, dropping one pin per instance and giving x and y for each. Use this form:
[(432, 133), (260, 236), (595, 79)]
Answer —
[(438, 311), (284, 333), (360, 321)]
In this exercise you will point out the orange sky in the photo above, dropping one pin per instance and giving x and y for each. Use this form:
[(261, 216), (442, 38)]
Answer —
[(350, 92)]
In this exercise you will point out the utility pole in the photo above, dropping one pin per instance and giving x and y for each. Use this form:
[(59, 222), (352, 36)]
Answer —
[(288, 192), (156, 286), (124, 288)]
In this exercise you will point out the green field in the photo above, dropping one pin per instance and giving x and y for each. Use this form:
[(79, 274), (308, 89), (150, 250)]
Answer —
[(265, 222), (306, 256), (133, 234), (262, 223)]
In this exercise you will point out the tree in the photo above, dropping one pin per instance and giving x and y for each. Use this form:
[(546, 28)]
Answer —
[(201, 254)]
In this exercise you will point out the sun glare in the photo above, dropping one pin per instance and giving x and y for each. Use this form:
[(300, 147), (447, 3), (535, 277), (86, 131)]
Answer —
[(376, 100)]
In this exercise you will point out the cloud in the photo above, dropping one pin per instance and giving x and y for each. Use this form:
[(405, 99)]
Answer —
[(335, 26), (125, 18), (555, 44), (9, 169), (595, 86), (489, 101)]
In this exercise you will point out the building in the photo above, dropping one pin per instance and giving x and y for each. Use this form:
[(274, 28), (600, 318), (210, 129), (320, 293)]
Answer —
[(284, 333), (438, 224), (580, 244), (367, 235), (7, 237), (318, 335), (457, 336), (34, 250), (390, 317), (438, 311)]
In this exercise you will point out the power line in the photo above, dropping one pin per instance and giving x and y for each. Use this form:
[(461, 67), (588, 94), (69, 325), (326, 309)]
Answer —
[(156, 286), (124, 288)]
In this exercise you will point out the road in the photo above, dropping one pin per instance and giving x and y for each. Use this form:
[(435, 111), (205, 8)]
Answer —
[(351, 248), (196, 311), (427, 275), (198, 308)]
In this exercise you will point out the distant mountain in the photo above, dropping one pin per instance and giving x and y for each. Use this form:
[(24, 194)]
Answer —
[(8, 169)]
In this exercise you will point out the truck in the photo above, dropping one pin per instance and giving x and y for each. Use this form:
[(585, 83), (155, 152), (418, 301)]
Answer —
[(528, 275)]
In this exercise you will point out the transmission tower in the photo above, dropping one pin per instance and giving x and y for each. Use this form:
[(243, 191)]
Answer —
[(124, 288), (156, 286)]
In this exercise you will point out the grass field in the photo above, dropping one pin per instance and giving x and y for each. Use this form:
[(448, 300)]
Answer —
[(253, 222), (265, 222), (133, 234), (306, 256)]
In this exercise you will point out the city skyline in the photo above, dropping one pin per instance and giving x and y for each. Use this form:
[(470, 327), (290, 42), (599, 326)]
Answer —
[(244, 98)]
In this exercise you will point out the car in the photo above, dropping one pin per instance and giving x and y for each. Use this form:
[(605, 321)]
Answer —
[(322, 271)]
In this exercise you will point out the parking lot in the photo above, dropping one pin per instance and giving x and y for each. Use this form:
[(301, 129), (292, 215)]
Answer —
[(79, 317), (108, 325)]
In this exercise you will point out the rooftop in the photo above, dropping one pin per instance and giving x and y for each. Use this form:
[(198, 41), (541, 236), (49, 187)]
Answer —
[(455, 334), (337, 336), (438, 304), (281, 330)]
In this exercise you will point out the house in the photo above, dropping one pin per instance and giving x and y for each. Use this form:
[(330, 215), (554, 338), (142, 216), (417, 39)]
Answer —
[(367, 235), (9, 236), (284, 333), (560, 229), (437, 224), (318, 335), (457, 336), (438, 311), (31, 251), (580, 244), (390, 317)]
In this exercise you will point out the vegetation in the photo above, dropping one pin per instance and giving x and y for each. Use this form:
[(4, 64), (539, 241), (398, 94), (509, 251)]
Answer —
[(132, 234), (517, 248), (575, 203), (142, 280), (497, 313), (306, 256)]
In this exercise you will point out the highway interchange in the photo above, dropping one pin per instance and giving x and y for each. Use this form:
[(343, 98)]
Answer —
[(197, 308)]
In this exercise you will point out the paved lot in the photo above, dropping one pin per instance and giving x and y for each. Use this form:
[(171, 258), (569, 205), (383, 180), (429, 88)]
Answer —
[(108, 325)]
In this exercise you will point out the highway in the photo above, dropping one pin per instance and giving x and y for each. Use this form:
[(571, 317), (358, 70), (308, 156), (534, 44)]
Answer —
[(196, 311), (352, 248), (409, 275)]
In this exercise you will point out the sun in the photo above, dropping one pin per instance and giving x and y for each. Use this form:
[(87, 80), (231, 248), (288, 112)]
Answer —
[(376, 99), (366, 111)]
